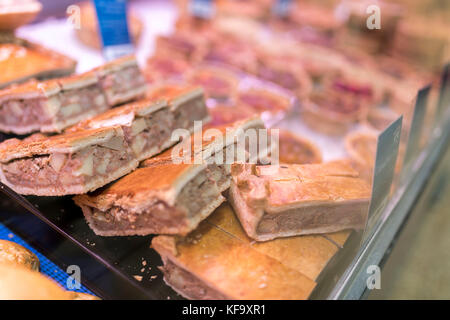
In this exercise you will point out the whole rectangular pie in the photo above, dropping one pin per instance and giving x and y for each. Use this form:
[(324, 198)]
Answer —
[(70, 163), (166, 196), (52, 105), (289, 200)]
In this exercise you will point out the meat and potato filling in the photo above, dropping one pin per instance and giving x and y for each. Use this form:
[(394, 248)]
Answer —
[(61, 171), (189, 285), (159, 216), (148, 135), (190, 111), (25, 112), (310, 219), (124, 83), (78, 101)]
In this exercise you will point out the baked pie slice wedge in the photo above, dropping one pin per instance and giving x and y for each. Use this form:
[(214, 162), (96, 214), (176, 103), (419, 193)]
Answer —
[(71, 163), (288, 200)]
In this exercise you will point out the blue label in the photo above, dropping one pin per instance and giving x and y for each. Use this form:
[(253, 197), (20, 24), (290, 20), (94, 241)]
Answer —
[(282, 7), (201, 8), (113, 27)]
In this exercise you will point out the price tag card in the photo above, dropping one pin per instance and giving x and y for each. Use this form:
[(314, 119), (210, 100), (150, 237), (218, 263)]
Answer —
[(201, 8), (386, 157), (113, 27), (415, 131)]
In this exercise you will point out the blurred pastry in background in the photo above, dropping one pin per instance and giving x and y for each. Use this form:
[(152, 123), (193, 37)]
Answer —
[(88, 31), (16, 13), (218, 83), (262, 100), (224, 114), (294, 149), (13, 253), (161, 69)]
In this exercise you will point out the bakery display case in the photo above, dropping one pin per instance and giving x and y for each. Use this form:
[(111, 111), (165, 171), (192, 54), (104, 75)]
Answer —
[(142, 173)]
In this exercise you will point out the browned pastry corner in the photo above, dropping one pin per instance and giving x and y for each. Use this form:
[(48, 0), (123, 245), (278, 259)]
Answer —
[(14, 14), (307, 254), (166, 196), (288, 200), (52, 105), (19, 283), (218, 83), (70, 163), (211, 264), (88, 31), (22, 60), (13, 253), (294, 149)]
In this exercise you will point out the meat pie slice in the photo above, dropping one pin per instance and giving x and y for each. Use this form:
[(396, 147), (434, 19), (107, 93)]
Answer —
[(289, 200), (65, 164), (50, 106), (186, 102), (166, 196), (121, 80), (211, 264), (147, 126)]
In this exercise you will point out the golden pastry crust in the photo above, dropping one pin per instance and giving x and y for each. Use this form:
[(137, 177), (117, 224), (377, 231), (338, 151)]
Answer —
[(19, 283), (11, 252), (202, 258), (64, 143), (307, 254)]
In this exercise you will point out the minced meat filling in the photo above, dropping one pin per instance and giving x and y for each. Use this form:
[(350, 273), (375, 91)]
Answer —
[(186, 114), (62, 170), (123, 81), (314, 217), (24, 112), (195, 195), (78, 101)]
